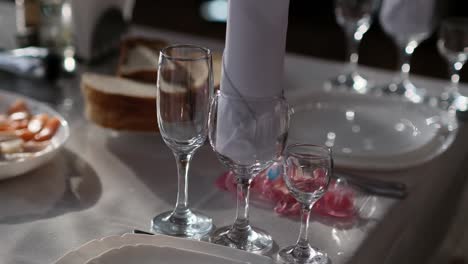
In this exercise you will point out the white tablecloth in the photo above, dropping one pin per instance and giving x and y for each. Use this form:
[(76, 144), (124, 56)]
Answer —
[(107, 183)]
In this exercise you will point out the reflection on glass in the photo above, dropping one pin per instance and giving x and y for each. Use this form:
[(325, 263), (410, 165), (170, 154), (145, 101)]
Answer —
[(355, 17)]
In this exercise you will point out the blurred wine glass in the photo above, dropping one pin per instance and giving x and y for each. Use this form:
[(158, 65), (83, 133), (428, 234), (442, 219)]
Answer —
[(247, 134), (355, 17), (408, 23), (453, 45)]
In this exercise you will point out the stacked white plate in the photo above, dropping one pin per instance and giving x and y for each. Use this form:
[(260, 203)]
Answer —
[(372, 133), (146, 249)]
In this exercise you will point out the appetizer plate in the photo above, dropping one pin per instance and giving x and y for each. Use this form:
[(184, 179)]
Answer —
[(98, 248), (20, 166), (372, 133), (149, 254)]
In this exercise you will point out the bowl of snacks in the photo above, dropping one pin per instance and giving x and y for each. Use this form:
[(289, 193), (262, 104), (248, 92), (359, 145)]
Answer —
[(31, 133)]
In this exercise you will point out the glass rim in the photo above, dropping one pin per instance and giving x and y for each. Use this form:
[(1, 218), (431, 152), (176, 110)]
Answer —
[(327, 154), (206, 53), (219, 93)]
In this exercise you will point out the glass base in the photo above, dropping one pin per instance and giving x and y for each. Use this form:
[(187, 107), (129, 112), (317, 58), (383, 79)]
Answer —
[(191, 225), (305, 256), (405, 89), (252, 240), (351, 81)]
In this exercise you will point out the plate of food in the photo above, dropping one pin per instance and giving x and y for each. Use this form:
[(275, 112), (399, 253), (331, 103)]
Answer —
[(31, 133)]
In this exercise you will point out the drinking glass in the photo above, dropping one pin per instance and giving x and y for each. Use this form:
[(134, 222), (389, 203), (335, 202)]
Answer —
[(247, 134), (355, 17), (408, 23), (453, 45), (184, 89), (307, 172)]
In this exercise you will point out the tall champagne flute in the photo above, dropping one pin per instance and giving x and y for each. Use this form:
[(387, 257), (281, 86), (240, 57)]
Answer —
[(355, 17), (247, 134), (408, 22), (307, 172), (453, 45), (184, 89)]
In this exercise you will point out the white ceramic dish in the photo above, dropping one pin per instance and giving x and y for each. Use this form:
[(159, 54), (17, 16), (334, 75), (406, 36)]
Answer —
[(95, 248), (372, 133), (17, 167), (149, 254)]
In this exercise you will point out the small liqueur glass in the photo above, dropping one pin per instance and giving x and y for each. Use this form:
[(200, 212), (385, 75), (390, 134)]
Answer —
[(307, 172)]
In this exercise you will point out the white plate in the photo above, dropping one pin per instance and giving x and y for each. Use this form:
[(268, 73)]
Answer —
[(372, 133), (149, 254), (17, 167), (95, 248)]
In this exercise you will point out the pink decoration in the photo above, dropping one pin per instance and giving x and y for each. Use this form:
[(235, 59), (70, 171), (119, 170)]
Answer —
[(269, 186)]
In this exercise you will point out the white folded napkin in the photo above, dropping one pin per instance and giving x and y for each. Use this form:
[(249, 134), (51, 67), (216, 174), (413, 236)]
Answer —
[(252, 67), (255, 47)]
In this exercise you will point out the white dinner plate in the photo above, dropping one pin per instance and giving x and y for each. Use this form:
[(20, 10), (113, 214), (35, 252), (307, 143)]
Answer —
[(17, 167), (96, 248), (149, 254), (371, 133)]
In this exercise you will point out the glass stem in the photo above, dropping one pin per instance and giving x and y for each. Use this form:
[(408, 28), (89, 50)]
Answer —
[(454, 72), (242, 216), (352, 50), (183, 160), (303, 240), (404, 62)]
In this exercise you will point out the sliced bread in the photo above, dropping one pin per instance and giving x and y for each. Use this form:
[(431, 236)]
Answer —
[(139, 60), (119, 103)]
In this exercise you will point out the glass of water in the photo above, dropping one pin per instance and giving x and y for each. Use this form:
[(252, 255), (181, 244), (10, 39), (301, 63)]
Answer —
[(247, 134), (307, 172), (184, 89), (355, 17), (453, 45)]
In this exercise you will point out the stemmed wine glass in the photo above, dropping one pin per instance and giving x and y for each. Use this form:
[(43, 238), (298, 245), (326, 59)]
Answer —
[(453, 45), (247, 134), (355, 17), (184, 89), (408, 22), (307, 172)]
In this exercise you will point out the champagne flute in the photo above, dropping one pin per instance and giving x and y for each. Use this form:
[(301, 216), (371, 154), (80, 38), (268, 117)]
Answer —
[(248, 134), (184, 88), (355, 17), (453, 45), (307, 172), (408, 22)]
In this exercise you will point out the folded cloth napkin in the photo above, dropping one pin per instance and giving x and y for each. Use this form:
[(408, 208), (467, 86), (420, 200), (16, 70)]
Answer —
[(252, 67)]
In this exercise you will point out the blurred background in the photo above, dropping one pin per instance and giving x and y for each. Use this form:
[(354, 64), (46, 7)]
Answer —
[(312, 31)]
